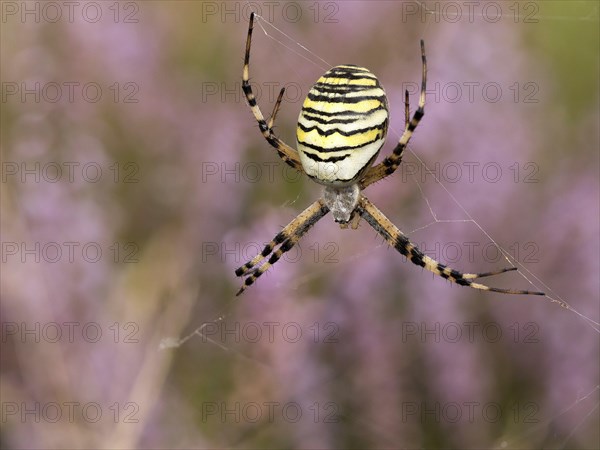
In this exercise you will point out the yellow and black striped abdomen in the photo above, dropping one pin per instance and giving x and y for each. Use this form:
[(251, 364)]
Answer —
[(342, 125)]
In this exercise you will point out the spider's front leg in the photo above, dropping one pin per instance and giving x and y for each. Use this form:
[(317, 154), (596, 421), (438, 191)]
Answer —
[(389, 165), (285, 152), (398, 240), (285, 239)]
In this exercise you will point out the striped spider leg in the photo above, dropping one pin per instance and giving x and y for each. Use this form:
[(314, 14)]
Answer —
[(398, 240), (341, 128), (285, 152), (389, 165), (286, 239)]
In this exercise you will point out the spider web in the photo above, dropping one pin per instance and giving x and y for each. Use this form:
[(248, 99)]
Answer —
[(586, 400)]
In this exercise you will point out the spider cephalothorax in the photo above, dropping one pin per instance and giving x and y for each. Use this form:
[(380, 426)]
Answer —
[(341, 128)]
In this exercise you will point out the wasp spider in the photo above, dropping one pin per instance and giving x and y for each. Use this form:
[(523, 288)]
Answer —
[(341, 128)]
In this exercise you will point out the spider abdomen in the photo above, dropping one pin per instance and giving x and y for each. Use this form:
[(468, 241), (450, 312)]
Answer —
[(342, 125)]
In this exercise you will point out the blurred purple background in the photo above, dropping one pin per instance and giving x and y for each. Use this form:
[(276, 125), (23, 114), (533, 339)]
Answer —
[(135, 180)]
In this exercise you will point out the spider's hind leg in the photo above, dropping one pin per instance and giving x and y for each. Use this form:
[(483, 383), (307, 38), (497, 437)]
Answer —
[(400, 242)]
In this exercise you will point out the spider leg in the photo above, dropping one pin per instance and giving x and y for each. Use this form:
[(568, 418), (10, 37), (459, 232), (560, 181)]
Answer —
[(286, 238), (406, 109), (285, 152), (276, 109), (400, 242), (389, 165)]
